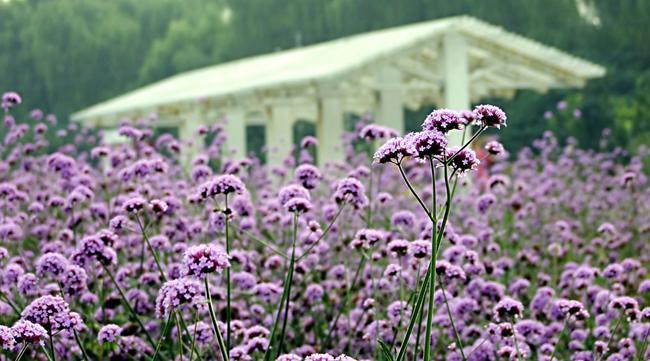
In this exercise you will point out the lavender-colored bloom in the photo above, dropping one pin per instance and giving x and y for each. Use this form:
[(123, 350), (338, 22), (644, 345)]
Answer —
[(109, 333), (443, 120), (298, 205), (464, 161), (52, 264), (223, 184), (428, 143), (292, 191), (308, 176), (53, 313), (508, 308), (374, 132), (73, 279), (203, 259), (420, 248), (10, 100), (29, 332), (350, 190), (393, 151), (490, 116), (176, 293), (7, 340), (495, 148)]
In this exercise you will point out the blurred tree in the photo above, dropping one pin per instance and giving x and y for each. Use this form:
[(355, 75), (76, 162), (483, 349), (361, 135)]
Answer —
[(68, 54)]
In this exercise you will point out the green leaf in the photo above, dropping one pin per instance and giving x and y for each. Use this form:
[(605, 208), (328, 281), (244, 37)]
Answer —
[(385, 350)]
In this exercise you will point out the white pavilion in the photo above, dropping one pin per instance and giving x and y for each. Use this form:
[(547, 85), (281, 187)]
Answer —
[(452, 62)]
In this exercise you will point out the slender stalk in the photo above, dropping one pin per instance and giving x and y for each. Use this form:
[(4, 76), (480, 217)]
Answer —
[(83, 350), (644, 345), (128, 306), (451, 319), (162, 337), (611, 337), (416, 312), (270, 350), (286, 306), (215, 325), (262, 242), (22, 352), (346, 298), (480, 130), (514, 338), (325, 232), (153, 252), (47, 354), (228, 286), (477, 347), (566, 322), (10, 303), (415, 194), (180, 334), (193, 336), (418, 332), (49, 333)]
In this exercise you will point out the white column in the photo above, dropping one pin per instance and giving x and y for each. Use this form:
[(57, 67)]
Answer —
[(279, 134), (235, 128), (389, 110), (188, 134), (329, 127), (456, 76)]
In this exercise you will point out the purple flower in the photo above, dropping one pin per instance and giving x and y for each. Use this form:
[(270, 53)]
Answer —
[(176, 293), (374, 132), (393, 151), (428, 143), (52, 264), (10, 100), (29, 332), (292, 191), (223, 184), (308, 176), (53, 313), (203, 259), (7, 340), (508, 308), (109, 333), (443, 120), (464, 161), (495, 148), (490, 116), (350, 190)]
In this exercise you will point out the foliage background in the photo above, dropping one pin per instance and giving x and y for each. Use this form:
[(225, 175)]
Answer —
[(64, 55)]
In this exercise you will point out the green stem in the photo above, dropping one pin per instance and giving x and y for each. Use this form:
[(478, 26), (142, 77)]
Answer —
[(514, 338), (325, 232), (162, 337), (180, 334), (128, 306), (451, 319), (286, 306), (228, 286), (270, 350), (346, 298), (193, 336), (416, 312), (566, 322), (83, 350), (215, 325), (153, 252), (415, 194), (22, 352), (49, 333)]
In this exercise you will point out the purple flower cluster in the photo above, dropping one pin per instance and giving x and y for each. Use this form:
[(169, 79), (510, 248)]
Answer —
[(542, 256)]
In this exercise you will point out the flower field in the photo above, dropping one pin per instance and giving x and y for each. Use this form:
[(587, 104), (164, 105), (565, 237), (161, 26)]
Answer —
[(414, 249)]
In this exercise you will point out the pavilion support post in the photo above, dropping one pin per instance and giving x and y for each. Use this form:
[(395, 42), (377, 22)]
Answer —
[(279, 134), (235, 127), (330, 127), (456, 77), (389, 111), (189, 136)]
